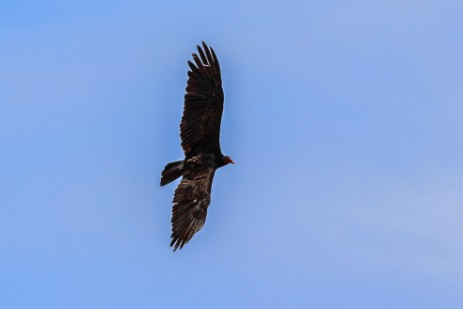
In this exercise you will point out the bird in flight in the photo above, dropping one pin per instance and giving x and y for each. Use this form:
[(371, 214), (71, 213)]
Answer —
[(200, 134)]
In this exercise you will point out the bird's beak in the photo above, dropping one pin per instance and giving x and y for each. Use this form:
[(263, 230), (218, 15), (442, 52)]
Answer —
[(229, 160)]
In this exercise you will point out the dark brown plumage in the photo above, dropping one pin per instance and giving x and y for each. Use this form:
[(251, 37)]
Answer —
[(200, 134)]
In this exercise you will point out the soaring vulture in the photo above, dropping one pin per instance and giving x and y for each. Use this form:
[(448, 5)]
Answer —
[(199, 131)]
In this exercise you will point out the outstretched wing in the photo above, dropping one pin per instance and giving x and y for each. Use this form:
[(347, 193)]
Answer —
[(202, 114), (191, 200)]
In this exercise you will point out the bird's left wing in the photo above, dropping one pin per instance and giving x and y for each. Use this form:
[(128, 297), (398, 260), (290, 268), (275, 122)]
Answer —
[(191, 200)]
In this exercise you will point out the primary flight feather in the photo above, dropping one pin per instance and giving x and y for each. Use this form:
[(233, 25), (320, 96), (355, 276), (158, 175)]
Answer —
[(200, 134)]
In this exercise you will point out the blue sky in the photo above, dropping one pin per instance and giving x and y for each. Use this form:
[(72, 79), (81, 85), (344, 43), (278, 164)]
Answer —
[(344, 118)]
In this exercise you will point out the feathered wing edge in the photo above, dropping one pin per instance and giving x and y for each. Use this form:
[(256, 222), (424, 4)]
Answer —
[(206, 65)]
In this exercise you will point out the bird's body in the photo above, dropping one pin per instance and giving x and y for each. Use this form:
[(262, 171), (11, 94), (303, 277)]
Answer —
[(200, 132)]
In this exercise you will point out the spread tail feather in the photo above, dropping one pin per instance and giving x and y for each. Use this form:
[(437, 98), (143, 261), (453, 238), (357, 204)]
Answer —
[(171, 172)]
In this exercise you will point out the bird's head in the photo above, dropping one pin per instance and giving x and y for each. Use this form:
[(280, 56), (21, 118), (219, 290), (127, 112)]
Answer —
[(227, 160)]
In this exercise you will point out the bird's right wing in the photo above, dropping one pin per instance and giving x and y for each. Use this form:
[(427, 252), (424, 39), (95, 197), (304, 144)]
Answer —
[(202, 114), (191, 200)]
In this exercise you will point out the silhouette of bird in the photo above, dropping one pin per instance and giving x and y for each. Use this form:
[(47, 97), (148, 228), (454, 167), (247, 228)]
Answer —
[(200, 134)]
